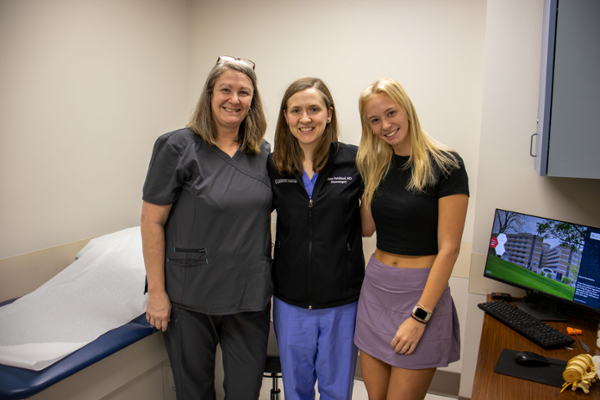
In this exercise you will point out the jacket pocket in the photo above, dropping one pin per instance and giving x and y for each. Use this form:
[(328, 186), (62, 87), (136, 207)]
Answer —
[(182, 250), (183, 254)]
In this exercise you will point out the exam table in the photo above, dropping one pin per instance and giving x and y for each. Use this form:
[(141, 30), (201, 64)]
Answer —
[(19, 383), (101, 311)]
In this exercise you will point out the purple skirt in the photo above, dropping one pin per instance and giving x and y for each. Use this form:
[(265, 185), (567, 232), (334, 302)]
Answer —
[(387, 298)]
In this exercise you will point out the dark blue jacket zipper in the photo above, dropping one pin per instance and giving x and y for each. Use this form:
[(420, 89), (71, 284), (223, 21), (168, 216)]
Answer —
[(310, 241)]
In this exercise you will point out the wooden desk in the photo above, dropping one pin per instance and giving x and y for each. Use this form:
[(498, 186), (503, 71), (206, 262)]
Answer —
[(496, 336)]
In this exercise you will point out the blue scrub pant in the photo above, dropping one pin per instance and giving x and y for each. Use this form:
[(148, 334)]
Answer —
[(316, 345)]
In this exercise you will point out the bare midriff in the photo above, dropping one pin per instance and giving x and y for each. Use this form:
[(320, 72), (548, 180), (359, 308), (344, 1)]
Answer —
[(400, 261)]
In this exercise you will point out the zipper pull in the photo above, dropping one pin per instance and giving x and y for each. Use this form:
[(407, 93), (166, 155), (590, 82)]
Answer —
[(310, 204)]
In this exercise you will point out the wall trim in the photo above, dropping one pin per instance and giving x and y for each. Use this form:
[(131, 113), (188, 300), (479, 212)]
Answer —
[(445, 383)]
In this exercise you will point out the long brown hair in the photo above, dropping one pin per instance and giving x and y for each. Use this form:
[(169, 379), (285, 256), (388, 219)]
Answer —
[(288, 155), (374, 156), (253, 127)]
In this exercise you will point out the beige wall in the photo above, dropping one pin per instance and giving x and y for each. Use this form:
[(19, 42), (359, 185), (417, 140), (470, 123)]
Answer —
[(85, 88), (434, 48)]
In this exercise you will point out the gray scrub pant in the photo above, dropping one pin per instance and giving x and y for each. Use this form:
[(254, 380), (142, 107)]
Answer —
[(191, 340)]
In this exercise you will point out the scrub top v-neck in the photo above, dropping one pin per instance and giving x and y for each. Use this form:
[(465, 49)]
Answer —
[(217, 235)]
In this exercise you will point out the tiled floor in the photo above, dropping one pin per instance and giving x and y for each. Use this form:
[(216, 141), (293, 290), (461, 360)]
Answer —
[(359, 393)]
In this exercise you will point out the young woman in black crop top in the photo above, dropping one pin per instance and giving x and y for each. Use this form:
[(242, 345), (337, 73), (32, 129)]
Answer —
[(416, 196)]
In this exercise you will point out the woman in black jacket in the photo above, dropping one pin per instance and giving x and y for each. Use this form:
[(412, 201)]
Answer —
[(318, 260)]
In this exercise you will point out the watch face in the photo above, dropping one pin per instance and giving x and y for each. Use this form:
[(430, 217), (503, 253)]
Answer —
[(420, 313)]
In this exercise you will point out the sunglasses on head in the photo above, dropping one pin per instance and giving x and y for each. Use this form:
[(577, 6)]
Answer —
[(249, 63)]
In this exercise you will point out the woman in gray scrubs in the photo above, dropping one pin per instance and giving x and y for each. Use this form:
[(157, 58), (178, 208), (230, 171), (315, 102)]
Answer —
[(206, 237)]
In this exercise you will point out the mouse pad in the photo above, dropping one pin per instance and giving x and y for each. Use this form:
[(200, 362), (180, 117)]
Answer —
[(548, 374)]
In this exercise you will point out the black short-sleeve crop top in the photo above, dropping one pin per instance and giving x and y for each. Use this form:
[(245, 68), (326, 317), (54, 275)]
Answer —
[(406, 222)]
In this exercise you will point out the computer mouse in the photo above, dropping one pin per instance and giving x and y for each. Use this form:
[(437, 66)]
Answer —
[(530, 359)]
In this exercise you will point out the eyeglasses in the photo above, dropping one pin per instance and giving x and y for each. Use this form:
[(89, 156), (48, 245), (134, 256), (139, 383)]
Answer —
[(249, 63)]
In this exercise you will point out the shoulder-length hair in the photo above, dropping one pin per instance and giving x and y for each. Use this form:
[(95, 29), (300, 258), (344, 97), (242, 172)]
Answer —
[(253, 127), (374, 156), (288, 155)]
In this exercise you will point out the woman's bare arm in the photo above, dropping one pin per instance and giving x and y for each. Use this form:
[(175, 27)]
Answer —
[(154, 217)]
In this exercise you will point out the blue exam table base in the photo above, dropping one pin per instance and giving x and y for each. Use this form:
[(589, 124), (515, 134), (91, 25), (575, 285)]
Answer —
[(19, 383)]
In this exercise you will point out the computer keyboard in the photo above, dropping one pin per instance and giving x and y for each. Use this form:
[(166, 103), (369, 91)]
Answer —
[(527, 325)]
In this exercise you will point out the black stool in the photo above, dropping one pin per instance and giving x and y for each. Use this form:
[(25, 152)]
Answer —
[(273, 364)]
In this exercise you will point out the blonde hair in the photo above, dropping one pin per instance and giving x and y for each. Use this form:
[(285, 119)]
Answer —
[(253, 127), (375, 156)]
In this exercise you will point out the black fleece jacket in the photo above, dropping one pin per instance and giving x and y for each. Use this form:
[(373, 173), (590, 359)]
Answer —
[(318, 259)]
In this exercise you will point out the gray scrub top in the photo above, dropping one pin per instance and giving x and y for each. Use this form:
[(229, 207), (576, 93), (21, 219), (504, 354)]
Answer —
[(217, 253)]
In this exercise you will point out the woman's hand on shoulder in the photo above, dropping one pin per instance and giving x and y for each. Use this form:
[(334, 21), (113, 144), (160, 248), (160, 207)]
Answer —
[(408, 336), (158, 310)]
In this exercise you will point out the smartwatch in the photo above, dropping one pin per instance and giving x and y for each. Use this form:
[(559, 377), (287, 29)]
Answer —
[(421, 314)]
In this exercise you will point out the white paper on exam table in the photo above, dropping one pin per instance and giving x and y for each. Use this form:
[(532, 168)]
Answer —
[(102, 290)]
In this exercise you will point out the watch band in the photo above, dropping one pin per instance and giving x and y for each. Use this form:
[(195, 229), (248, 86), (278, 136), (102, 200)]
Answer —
[(417, 319)]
